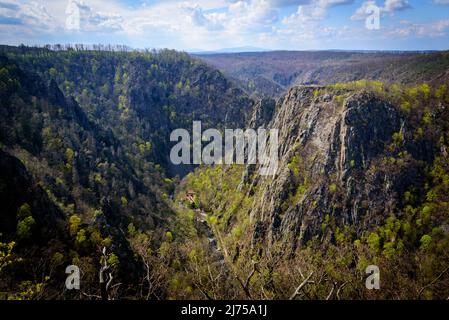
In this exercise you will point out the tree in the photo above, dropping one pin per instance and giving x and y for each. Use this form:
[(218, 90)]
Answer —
[(25, 222)]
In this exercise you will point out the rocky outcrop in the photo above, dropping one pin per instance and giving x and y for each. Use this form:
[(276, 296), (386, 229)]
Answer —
[(262, 114), (332, 150)]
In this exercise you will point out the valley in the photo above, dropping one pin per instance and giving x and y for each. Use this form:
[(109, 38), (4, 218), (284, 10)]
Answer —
[(86, 177)]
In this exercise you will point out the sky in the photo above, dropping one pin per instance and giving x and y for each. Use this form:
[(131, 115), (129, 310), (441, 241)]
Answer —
[(208, 25)]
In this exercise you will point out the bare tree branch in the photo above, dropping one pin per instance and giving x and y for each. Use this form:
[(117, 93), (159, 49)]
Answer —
[(432, 282), (329, 296), (341, 288), (298, 289)]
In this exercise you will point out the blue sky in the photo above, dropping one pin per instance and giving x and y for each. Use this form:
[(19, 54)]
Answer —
[(194, 25)]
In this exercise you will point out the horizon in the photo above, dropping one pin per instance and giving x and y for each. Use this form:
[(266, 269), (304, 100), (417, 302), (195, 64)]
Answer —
[(196, 26), (222, 51)]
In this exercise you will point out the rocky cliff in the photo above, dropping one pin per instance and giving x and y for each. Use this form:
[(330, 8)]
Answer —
[(334, 147)]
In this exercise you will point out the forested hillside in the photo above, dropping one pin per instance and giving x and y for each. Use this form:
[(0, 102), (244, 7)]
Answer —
[(89, 134)]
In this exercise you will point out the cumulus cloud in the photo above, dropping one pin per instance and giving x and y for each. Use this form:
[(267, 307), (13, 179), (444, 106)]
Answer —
[(197, 17), (286, 3), (90, 19), (389, 7), (433, 29), (305, 24), (28, 15), (204, 24), (251, 12), (396, 5)]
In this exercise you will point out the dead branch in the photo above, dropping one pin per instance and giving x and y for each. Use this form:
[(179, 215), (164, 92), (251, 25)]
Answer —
[(341, 288), (245, 284), (248, 279), (329, 296), (432, 282), (299, 288)]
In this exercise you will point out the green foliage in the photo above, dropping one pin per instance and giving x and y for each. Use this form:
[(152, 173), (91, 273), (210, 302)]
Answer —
[(24, 211), (106, 242), (406, 106), (352, 163), (427, 118), (74, 223), (53, 72), (95, 237), (6, 254), (441, 92), (237, 232), (425, 241), (25, 228), (425, 90), (58, 258), (29, 290), (374, 241), (81, 237), (69, 153), (398, 140), (169, 236), (294, 165), (113, 260), (132, 230), (124, 201), (25, 222), (339, 99)]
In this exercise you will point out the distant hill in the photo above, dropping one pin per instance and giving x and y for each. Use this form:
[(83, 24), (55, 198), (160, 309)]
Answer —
[(229, 50), (272, 73)]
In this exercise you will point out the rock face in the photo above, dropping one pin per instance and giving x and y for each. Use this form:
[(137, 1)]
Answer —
[(262, 114), (332, 150)]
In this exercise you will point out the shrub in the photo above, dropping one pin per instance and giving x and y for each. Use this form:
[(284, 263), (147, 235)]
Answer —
[(24, 227), (425, 241), (333, 188), (374, 241), (74, 222)]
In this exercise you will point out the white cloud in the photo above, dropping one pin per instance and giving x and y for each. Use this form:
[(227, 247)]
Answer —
[(396, 5), (286, 3), (202, 24), (434, 29), (308, 15), (361, 12), (26, 15), (91, 19), (305, 25), (197, 17), (389, 7)]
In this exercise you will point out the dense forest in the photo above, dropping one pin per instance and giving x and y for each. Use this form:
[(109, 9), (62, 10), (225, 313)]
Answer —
[(86, 179)]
